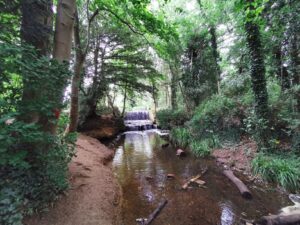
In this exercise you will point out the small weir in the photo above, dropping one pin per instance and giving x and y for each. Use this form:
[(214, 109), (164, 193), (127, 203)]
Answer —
[(138, 121), (142, 165)]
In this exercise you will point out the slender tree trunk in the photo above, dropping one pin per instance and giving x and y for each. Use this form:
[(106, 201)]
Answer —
[(124, 100), (154, 96), (216, 55), (74, 111), (295, 61), (111, 104), (79, 61), (174, 76), (36, 30), (281, 70), (258, 78), (187, 106)]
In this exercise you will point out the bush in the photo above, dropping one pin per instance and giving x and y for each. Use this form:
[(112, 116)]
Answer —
[(217, 116), (284, 170), (31, 177), (168, 118)]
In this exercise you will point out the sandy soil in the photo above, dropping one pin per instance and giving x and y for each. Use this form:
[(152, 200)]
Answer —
[(94, 195)]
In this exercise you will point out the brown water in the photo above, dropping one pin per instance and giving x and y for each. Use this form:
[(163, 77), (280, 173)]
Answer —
[(139, 156)]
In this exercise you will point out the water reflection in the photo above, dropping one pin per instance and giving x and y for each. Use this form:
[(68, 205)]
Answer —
[(142, 166), (227, 215)]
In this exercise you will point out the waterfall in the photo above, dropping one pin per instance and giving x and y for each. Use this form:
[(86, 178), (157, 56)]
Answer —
[(137, 115), (138, 120)]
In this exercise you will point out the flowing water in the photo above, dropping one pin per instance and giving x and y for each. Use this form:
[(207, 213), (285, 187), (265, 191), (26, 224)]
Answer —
[(142, 165), (138, 120)]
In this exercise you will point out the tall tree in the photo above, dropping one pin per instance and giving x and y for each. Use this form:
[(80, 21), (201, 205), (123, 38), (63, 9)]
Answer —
[(62, 47), (64, 30), (36, 30), (257, 71), (80, 56)]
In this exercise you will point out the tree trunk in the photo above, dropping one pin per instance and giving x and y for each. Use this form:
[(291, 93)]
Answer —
[(216, 55), (154, 96), (124, 100), (173, 87), (294, 57), (74, 111), (62, 48), (281, 70), (36, 30), (64, 30), (79, 61), (258, 78)]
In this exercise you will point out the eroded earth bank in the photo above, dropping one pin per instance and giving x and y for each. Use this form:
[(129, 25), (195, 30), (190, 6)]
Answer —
[(94, 196)]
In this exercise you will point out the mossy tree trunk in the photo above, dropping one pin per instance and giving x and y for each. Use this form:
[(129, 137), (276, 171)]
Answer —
[(174, 78), (258, 79), (214, 45)]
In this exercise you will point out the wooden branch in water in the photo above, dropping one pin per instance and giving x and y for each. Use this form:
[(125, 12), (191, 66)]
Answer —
[(194, 179), (293, 219), (238, 183), (155, 213)]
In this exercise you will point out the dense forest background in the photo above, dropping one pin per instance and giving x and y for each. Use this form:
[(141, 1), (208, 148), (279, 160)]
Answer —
[(213, 72)]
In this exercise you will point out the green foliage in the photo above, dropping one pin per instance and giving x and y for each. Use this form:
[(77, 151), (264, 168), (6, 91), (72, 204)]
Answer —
[(284, 170), (199, 147), (30, 176), (218, 115), (33, 163), (9, 20), (168, 118), (200, 70), (137, 16), (202, 148), (180, 136)]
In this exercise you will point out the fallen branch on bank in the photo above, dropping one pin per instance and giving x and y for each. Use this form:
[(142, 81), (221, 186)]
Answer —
[(238, 183), (293, 219), (153, 215)]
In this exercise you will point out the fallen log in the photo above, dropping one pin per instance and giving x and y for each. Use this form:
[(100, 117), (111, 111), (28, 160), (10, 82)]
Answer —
[(293, 219), (155, 213), (238, 183)]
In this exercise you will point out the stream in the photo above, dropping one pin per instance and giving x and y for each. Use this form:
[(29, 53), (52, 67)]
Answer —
[(141, 166)]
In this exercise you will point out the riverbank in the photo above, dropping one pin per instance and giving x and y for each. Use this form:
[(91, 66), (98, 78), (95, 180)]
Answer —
[(94, 196), (237, 157)]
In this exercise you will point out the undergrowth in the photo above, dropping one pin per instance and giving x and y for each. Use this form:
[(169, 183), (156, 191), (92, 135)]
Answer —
[(33, 162), (168, 119)]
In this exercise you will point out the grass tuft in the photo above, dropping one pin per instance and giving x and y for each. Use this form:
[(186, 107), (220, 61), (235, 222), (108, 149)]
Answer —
[(201, 148), (277, 169)]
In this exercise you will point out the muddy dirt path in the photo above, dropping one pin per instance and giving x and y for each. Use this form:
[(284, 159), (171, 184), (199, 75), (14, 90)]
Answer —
[(94, 195)]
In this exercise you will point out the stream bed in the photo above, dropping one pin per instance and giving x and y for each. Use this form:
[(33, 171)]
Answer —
[(141, 166)]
